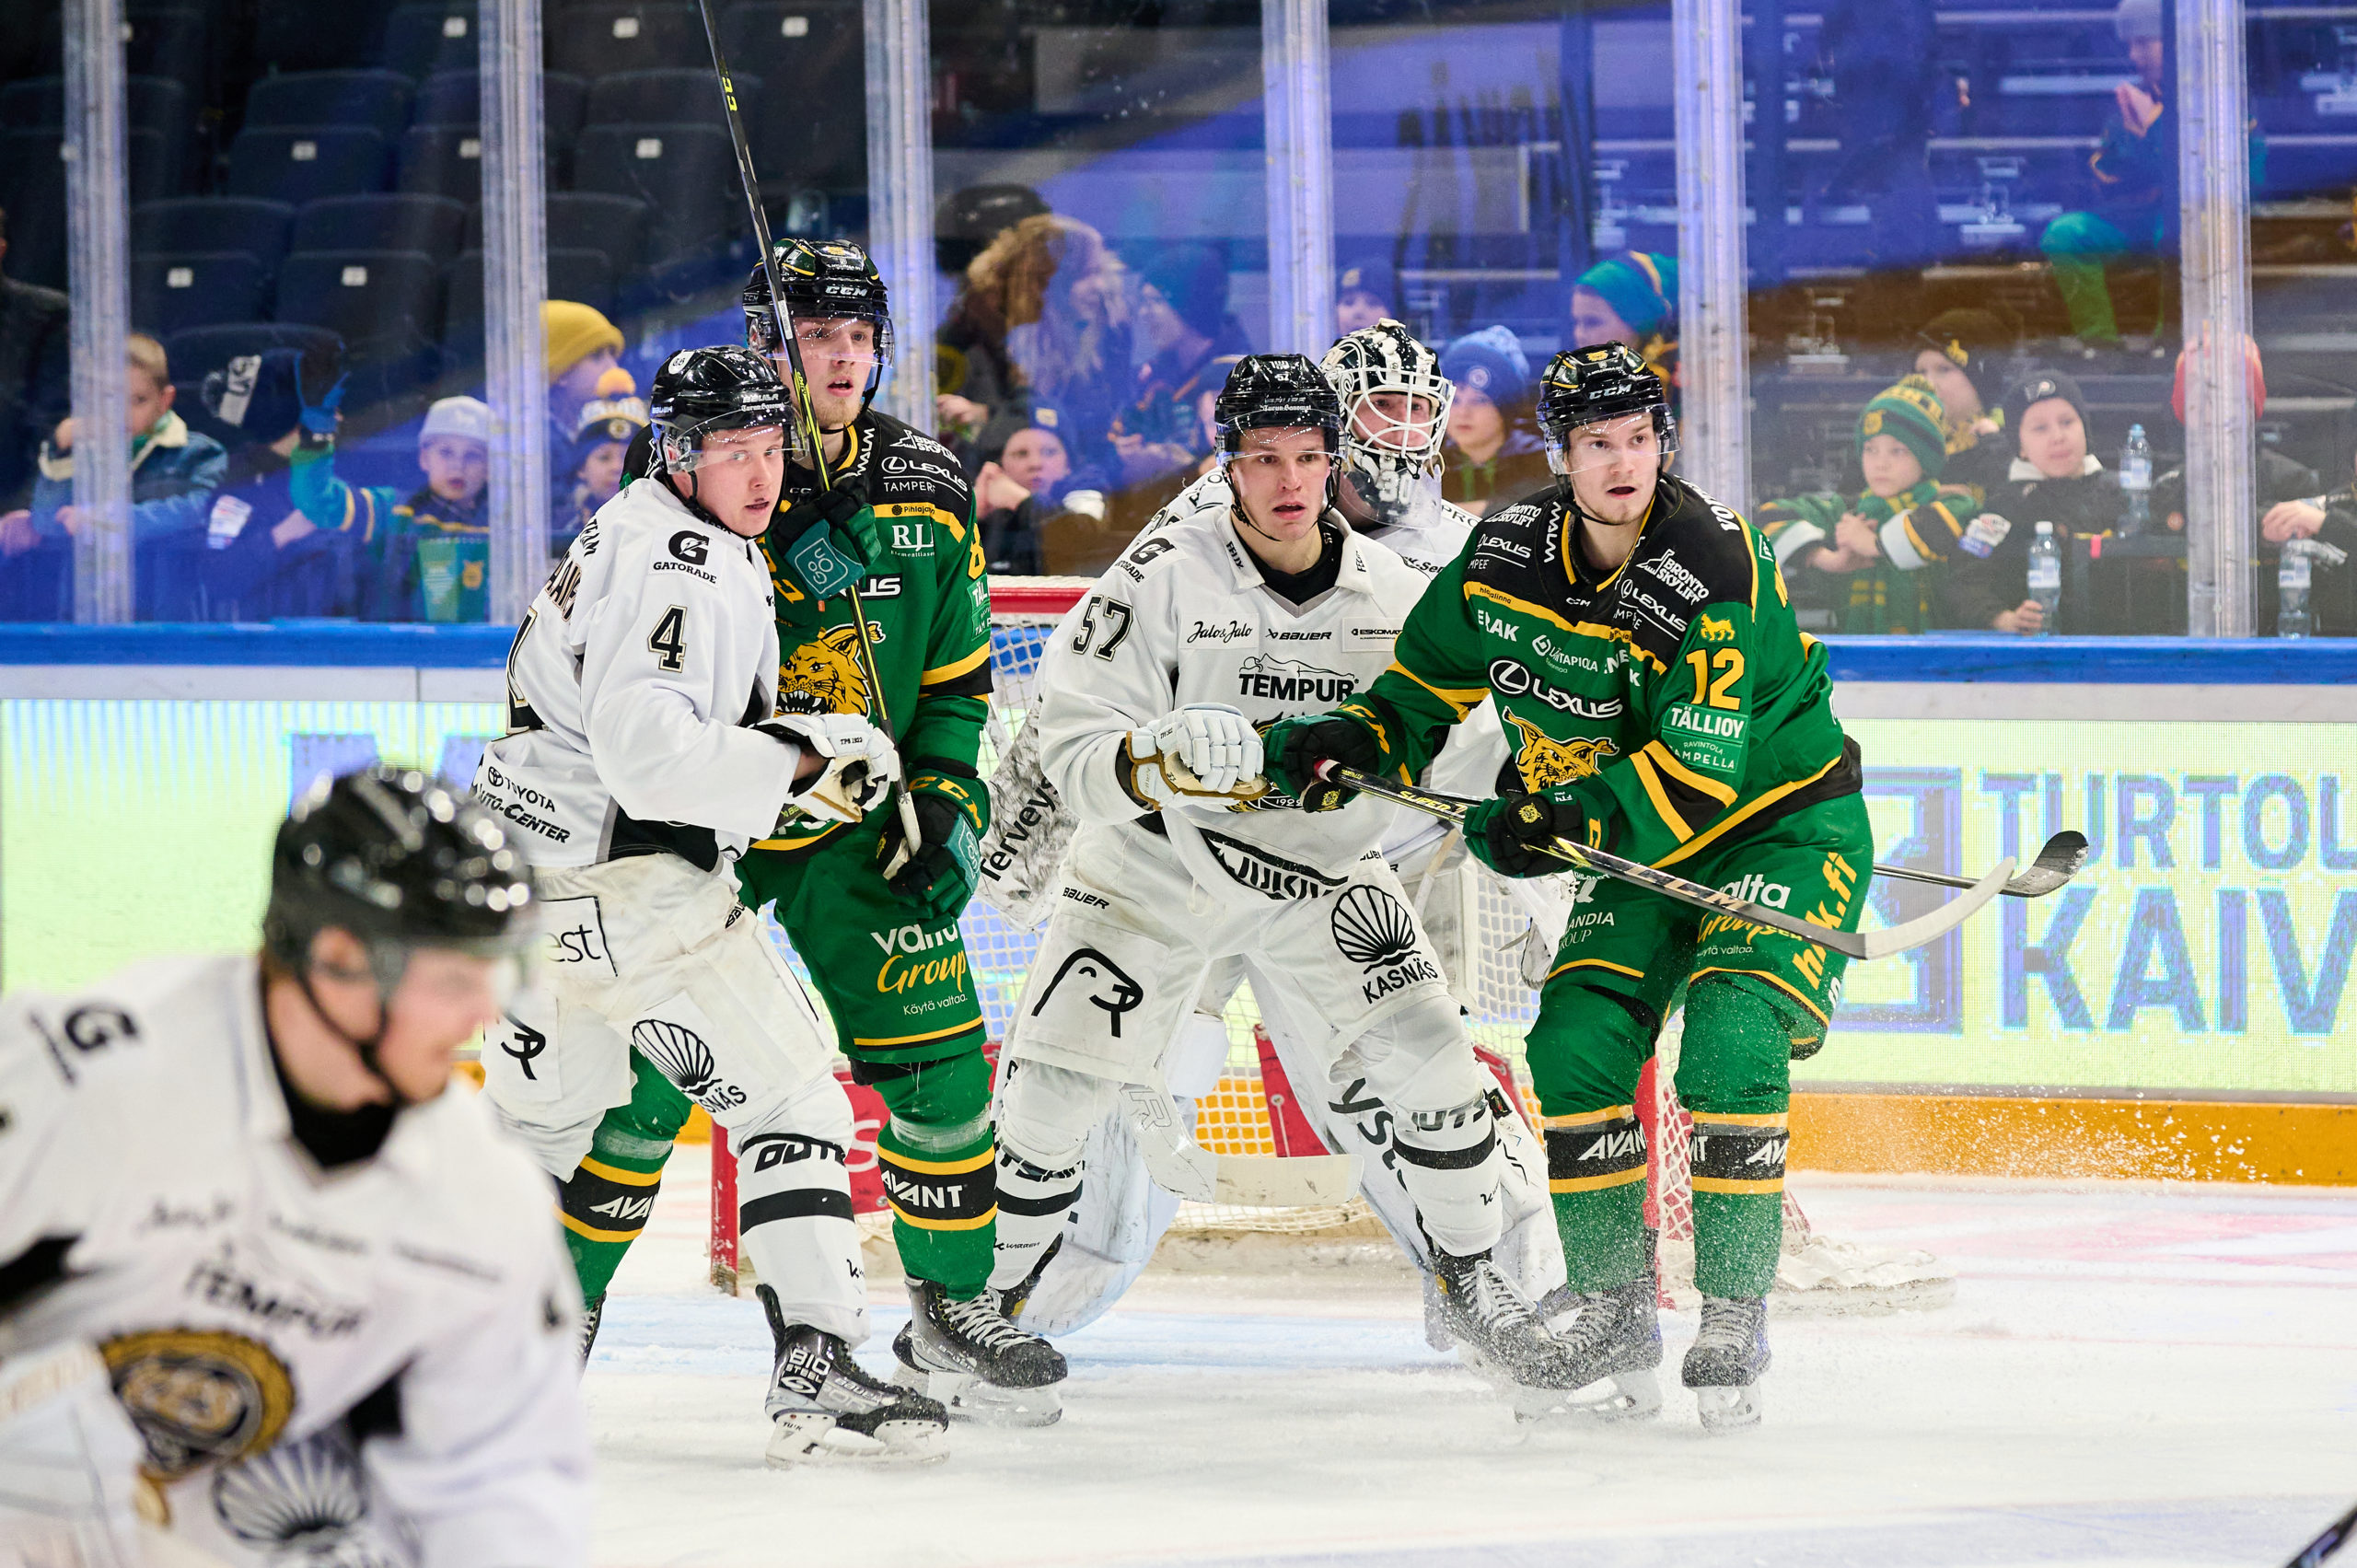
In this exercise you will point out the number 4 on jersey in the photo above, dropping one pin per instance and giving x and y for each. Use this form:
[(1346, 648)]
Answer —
[(669, 641)]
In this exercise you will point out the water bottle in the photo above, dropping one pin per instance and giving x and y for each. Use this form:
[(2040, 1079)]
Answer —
[(2291, 618), (2046, 575), (2136, 481)]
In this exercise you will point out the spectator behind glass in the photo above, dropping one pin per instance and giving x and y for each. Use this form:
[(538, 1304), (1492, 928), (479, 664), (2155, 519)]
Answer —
[(1492, 454), (1631, 299), (1028, 486), (35, 393), (2275, 477), (1043, 318), (1364, 293), (284, 537), (1966, 356), (1882, 58), (1182, 326), (581, 346), (2133, 169), (2053, 479), (433, 561), (1872, 563), (2330, 519), (608, 422), (174, 472)]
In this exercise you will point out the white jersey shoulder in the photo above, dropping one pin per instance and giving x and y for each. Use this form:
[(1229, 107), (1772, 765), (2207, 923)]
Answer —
[(630, 683), (1185, 617), (146, 1170), (1431, 534)]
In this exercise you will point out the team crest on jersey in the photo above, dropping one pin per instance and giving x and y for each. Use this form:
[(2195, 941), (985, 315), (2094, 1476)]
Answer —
[(198, 1396), (823, 676), (1544, 761)]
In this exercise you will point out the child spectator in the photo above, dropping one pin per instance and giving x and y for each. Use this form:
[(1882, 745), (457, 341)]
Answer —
[(581, 346), (433, 561), (608, 422), (1492, 454), (1631, 299), (1364, 293), (1029, 485), (2052, 479), (1184, 327), (1967, 355), (283, 538), (1871, 563), (174, 472)]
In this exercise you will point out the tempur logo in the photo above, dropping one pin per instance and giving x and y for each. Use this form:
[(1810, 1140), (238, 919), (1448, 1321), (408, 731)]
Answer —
[(1290, 680)]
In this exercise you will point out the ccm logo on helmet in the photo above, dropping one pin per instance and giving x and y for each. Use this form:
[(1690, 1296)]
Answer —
[(690, 547)]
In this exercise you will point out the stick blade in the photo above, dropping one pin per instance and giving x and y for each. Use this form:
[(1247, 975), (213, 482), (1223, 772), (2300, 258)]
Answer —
[(2060, 861), (1895, 939), (1262, 1181)]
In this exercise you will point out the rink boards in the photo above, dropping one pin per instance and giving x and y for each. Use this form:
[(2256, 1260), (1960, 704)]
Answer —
[(2202, 957)]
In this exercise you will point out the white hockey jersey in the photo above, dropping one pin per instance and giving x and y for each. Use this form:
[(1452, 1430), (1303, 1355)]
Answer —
[(629, 688), (392, 1346), (1185, 617)]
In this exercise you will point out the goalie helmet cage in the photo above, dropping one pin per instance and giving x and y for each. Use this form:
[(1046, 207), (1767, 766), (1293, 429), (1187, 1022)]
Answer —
[(1237, 1117)]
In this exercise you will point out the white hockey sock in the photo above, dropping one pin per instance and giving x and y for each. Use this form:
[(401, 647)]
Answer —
[(1044, 1116), (1449, 1163), (1034, 1206), (794, 1217)]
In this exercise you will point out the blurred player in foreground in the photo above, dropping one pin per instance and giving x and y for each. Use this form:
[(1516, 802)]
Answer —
[(265, 1282)]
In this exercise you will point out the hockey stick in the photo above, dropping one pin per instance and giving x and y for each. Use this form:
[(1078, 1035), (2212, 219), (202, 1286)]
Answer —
[(1184, 1168), (806, 411), (2337, 1535), (2060, 861), (1866, 945)]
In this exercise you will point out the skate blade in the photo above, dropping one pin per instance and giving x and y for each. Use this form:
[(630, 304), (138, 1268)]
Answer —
[(1728, 1410), (812, 1438), (968, 1398), (1608, 1402)]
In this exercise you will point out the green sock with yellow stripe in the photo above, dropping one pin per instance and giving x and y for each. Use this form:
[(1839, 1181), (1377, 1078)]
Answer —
[(607, 1202), (944, 1207), (1595, 1173), (1738, 1175)]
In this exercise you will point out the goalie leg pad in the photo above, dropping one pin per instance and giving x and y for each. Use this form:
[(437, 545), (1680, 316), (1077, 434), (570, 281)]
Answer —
[(1733, 1075), (1045, 1114), (1420, 1059)]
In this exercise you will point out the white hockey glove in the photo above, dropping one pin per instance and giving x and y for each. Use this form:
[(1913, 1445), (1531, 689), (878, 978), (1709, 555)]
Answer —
[(69, 1462), (1203, 751), (861, 765)]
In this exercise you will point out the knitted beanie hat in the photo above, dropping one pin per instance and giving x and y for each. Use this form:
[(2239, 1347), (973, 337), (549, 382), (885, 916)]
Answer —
[(1910, 412)]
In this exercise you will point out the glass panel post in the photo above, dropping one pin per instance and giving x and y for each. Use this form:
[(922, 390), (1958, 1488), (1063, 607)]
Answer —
[(1715, 443), (1294, 100), (515, 284), (2213, 179), (900, 196), (97, 182)]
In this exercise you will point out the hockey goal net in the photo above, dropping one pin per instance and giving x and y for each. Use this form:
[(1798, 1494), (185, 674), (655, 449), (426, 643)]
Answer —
[(1247, 1113)]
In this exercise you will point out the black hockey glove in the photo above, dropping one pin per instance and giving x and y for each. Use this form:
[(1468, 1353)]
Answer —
[(829, 541), (1293, 749), (939, 878), (1508, 832)]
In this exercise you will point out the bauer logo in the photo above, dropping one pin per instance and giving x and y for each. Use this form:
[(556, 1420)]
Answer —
[(1270, 875), (1290, 680), (1108, 986)]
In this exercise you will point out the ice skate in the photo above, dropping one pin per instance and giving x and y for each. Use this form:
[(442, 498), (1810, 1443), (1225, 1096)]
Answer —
[(976, 1363), (1497, 1330), (592, 1314), (1613, 1339), (827, 1410), (1724, 1365)]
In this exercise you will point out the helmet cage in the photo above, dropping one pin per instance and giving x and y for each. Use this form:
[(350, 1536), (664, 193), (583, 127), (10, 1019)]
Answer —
[(1388, 462)]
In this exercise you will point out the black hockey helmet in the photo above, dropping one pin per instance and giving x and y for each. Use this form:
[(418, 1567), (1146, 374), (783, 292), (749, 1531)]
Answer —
[(701, 390), (1588, 386), (829, 279), (1276, 391), (401, 861)]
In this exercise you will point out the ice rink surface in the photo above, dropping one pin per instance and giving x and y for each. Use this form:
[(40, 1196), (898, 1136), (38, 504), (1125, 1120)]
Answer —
[(2130, 1375)]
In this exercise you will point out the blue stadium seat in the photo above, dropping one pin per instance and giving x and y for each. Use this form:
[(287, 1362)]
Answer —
[(383, 304), (442, 160), (168, 41), (213, 224), (590, 40), (428, 224), (376, 100), (685, 174), (801, 49), (314, 35), (455, 97), (32, 192), (177, 290), (615, 227), (669, 97), (302, 164), (156, 103), (439, 35), (579, 274)]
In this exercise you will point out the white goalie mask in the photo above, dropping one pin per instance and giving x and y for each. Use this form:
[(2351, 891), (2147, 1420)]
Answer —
[(1388, 450)]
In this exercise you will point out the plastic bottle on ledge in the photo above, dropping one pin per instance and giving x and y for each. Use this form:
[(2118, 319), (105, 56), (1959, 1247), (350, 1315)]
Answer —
[(2136, 483), (2292, 617), (2046, 575)]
